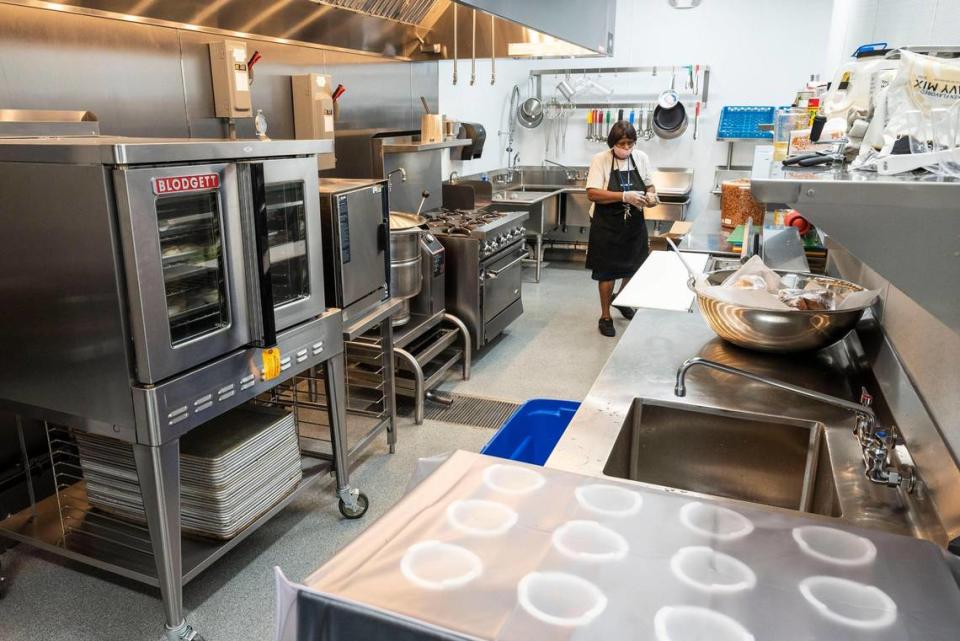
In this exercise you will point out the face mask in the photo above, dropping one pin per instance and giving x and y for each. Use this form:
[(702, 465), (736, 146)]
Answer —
[(621, 154)]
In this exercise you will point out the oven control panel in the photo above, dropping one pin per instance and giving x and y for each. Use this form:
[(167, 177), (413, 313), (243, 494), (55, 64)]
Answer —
[(496, 241), (436, 253)]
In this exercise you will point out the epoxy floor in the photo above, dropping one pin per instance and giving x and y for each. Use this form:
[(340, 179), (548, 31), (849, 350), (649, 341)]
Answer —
[(553, 350)]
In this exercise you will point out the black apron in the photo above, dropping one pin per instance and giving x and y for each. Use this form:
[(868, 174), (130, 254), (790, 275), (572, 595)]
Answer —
[(618, 232)]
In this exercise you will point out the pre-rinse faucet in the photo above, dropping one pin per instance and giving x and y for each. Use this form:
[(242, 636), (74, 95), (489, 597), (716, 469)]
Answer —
[(572, 174), (876, 444)]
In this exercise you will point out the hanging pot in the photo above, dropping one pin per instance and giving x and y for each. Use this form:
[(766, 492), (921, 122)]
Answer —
[(530, 113), (670, 123)]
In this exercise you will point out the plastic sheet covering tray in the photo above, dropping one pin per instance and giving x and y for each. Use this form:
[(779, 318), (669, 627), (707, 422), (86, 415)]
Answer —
[(485, 548)]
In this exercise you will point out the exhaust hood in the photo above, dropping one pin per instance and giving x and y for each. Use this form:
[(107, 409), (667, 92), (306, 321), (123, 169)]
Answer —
[(396, 29)]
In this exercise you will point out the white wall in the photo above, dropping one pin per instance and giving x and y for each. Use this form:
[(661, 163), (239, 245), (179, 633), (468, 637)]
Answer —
[(896, 22), (760, 52), (918, 22)]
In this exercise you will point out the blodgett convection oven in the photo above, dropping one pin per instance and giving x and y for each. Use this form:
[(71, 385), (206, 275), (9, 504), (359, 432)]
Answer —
[(148, 278), (148, 286)]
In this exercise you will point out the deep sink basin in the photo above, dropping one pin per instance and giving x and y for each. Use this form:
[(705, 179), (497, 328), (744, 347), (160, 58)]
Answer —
[(778, 462)]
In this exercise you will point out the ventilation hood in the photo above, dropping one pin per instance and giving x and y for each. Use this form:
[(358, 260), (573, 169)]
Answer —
[(397, 29)]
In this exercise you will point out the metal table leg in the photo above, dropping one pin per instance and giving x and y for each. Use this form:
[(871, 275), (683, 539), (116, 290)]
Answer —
[(158, 468), (539, 255), (467, 343), (389, 381), (353, 503), (418, 388)]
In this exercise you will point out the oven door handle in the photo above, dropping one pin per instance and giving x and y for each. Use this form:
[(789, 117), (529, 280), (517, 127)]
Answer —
[(493, 273), (263, 302)]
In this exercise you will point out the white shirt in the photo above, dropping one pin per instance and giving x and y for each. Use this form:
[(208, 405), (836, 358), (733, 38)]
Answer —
[(602, 164)]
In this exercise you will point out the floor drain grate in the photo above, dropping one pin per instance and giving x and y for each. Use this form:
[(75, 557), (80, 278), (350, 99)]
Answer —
[(472, 410)]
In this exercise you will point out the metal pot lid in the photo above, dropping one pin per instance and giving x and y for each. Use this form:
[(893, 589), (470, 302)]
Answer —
[(401, 220)]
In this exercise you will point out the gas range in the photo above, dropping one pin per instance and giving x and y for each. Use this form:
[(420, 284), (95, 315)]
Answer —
[(493, 229)]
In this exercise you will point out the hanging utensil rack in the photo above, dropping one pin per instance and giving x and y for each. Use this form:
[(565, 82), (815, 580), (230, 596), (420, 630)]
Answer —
[(699, 74)]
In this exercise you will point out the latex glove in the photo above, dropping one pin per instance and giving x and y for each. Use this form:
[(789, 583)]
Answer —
[(635, 198), (651, 199)]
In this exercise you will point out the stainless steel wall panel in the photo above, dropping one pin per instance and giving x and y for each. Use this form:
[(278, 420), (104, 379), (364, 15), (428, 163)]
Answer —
[(424, 173), (384, 95), (915, 364), (128, 74), (67, 353)]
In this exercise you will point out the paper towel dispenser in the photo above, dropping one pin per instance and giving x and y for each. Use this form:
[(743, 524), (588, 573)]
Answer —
[(477, 134)]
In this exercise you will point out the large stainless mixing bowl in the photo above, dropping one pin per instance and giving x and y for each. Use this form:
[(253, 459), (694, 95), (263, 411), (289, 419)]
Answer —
[(779, 331)]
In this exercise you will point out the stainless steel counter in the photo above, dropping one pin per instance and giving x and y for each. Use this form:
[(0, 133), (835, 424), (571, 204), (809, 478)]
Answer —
[(708, 236), (643, 366)]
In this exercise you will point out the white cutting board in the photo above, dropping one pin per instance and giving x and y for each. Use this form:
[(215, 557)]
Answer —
[(661, 282)]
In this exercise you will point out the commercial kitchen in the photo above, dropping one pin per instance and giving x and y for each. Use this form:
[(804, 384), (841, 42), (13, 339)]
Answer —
[(474, 320)]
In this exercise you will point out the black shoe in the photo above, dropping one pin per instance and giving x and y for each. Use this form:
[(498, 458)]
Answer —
[(626, 312), (607, 328)]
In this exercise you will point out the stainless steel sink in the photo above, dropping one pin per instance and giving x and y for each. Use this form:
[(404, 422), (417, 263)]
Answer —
[(522, 194), (779, 462)]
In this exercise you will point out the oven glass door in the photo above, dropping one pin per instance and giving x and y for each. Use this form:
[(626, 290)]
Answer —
[(181, 237), (294, 237)]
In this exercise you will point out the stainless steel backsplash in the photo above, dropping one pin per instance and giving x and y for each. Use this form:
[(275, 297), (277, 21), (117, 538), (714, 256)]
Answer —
[(149, 80), (915, 360)]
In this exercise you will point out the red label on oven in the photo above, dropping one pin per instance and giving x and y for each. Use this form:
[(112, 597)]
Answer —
[(175, 184)]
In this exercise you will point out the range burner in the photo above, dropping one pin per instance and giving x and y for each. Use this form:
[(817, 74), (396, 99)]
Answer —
[(494, 230)]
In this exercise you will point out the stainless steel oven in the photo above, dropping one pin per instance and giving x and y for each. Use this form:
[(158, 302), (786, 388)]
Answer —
[(157, 283), (484, 262), (502, 277), (188, 234), (356, 233)]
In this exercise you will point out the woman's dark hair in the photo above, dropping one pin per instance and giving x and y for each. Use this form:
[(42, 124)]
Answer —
[(620, 130)]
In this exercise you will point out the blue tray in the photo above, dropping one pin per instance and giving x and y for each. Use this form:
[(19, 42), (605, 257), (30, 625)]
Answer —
[(743, 122), (532, 432)]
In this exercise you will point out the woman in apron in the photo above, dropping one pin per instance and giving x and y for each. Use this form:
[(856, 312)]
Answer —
[(619, 186)]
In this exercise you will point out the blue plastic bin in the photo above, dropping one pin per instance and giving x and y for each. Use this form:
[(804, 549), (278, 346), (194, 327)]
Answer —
[(532, 432)]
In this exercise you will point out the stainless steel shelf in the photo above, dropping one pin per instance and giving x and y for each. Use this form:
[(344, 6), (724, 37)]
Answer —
[(134, 560), (407, 147), (906, 228), (689, 102), (602, 70), (414, 328)]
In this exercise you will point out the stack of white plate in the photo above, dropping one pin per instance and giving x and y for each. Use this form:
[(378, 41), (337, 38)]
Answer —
[(232, 469)]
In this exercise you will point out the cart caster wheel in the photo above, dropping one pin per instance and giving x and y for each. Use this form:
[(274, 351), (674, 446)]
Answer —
[(363, 503), (184, 632)]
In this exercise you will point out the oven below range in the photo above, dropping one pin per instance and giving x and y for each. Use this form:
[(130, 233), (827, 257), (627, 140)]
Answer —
[(486, 294)]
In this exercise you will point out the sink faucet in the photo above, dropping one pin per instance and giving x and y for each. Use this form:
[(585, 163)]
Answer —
[(876, 444), (572, 174), (454, 176), (398, 170)]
